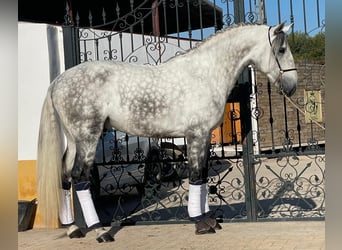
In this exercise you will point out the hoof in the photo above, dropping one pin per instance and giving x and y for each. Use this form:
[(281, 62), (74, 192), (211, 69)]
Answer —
[(203, 228), (212, 222), (103, 236), (75, 232)]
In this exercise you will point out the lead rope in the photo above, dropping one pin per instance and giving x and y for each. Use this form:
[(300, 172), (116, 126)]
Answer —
[(300, 110), (296, 106)]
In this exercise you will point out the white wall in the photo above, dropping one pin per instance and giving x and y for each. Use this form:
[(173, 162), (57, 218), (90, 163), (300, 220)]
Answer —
[(33, 81)]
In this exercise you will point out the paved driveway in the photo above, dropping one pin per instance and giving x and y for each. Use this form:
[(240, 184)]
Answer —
[(306, 235)]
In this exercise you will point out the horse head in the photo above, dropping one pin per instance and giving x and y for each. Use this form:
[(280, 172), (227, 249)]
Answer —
[(280, 68)]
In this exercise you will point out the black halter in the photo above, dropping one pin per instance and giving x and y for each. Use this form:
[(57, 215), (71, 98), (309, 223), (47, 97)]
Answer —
[(282, 71)]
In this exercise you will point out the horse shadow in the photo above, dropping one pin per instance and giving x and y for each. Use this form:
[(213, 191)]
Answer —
[(224, 213), (150, 193), (118, 211), (118, 216)]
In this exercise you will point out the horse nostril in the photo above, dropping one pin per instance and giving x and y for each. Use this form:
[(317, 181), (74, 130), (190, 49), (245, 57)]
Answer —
[(290, 91), (293, 90)]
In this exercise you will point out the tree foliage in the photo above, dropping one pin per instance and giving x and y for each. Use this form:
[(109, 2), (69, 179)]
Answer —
[(309, 48)]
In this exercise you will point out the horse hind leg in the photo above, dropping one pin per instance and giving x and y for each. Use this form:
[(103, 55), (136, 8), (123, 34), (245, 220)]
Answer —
[(65, 207), (85, 212), (68, 157)]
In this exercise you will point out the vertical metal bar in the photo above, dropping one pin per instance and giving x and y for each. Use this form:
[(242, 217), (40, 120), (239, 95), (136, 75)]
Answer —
[(254, 108), (165, 20), (85, 51), (318, 14), (127, 148), (247, 147), (271, 114), (139, 148), (185, 148), (115, 141), (299, 131), (71, 46), (221, 135), (121, 46), (250, 16), (292, 21), (201, 18), (285, 120), (103, 15), (173, 149), (291, 12), (189, 23), (232, 121), (234, 134), (311, 132), (155, 18), (70, 39), (110, 57), (90, 18), (279, 14), (97, 49), (246, 128), (239, 11), (131, 2), (215, 17), (177, 22), (131, 26), (132, 38), (149, 143), (156, 27), (102, 139), (222, 145), (304, 15), (264, 10), (142, 32), (228, 13)]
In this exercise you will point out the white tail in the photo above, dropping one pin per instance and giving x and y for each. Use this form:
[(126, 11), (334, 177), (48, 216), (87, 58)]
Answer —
[(49, 163)]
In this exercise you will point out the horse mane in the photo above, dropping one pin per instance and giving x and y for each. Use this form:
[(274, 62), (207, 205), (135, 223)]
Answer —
[(224, 30), (211, 37)]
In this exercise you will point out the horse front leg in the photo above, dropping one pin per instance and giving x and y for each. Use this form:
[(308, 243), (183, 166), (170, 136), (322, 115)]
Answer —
[(198, 204)]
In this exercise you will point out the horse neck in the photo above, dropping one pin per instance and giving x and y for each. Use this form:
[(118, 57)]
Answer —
[(231, 51)]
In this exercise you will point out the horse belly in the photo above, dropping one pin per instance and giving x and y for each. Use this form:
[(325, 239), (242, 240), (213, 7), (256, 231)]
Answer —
[(155, 126)]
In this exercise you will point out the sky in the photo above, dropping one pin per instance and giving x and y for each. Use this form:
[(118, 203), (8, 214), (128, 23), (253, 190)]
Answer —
[(311, 23), (308, 15)]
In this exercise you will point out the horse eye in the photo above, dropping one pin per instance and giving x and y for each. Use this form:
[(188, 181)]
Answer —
[(282, 50)]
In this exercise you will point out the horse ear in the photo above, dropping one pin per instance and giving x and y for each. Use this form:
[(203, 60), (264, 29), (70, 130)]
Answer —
[(278, 29), (287, 28), (282, 28)]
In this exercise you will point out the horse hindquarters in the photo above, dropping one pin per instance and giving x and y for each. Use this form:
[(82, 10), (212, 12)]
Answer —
[(49, 163)]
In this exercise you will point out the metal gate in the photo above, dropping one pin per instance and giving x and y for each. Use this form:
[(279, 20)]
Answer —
[(273, 164)]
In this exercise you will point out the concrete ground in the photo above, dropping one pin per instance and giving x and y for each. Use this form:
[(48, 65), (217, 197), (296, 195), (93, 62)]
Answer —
[(287, 235)]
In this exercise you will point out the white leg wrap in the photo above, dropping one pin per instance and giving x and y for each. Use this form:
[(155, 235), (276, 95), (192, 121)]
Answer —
[(205, 198), (65, 211), (198, 200), (88, 208)]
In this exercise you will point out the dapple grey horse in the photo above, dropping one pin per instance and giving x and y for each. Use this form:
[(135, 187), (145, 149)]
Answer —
[(183, 97)]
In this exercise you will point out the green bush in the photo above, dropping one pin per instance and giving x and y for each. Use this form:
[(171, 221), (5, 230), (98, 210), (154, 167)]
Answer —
[(308, 48)]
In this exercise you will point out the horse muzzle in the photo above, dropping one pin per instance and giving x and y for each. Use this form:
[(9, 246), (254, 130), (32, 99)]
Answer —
[(288, 91), (288, 83)]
